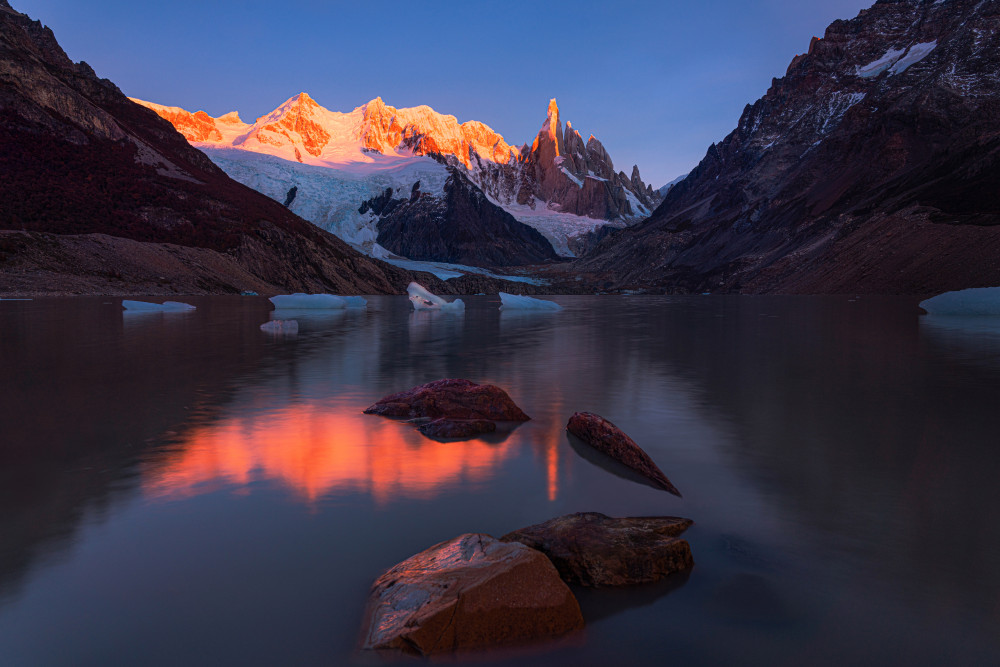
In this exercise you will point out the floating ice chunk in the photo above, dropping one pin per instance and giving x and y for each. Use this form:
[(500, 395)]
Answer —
[(280, 327), (975, 301), (309, 301), (424, 300), (518, 302), (355, 301), (165, 307)]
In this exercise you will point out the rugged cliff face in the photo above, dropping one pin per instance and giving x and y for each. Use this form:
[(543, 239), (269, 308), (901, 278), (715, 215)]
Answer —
[(462, 227), (873, 165), (78, 157)]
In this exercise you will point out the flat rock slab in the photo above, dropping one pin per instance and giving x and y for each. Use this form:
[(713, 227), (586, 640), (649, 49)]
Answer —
[(470, 592), (593, 549), (605, 437), (457, 428), (450, 399)]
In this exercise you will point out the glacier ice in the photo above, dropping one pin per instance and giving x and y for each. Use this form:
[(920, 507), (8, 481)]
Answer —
[(519, 302), (424, 300), (974, 301), (165, 307), (281, 327), (300, 301)]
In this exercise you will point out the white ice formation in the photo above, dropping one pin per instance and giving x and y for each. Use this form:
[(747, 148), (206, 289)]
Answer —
[(165, 307), (424, 300), (976, 301), (519, 302)]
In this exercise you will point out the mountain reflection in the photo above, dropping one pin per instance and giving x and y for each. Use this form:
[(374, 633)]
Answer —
[(314, 450)]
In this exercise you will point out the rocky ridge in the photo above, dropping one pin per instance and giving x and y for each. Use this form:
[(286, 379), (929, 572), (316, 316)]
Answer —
[(871, 166)]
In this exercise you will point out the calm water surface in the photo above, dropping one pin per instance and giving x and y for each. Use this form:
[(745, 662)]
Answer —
[(186, 489)]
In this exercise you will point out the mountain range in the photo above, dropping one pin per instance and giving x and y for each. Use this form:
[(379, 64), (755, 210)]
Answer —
[(101, 195), (871, 166), (459, 192)]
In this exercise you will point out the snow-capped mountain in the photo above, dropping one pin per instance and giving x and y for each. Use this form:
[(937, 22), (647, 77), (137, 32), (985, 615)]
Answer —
[(872, 165), (337, 161)]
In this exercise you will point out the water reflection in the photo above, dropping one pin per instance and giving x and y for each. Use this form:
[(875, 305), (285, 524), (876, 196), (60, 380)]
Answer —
[(316, 449)]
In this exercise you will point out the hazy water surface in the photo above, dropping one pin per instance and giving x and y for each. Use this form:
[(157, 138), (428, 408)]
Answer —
[(186, 489)]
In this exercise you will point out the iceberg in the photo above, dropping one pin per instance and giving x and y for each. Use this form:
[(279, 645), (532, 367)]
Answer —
[(281, 327), (424, 300), (300, 301), (165, 307), (519, 302), (976, 301)]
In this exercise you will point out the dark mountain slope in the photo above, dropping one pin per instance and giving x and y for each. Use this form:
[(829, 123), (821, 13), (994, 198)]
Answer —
[(78, 157), (872, 166)]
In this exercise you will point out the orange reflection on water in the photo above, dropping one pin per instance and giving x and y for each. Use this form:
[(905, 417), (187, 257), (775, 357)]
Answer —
[(315, 449)]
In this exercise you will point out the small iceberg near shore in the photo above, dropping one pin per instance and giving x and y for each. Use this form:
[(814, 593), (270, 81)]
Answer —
[(977, 301), (519, 302), (424, 300), (148, 307), (300, 301), (281, 327)]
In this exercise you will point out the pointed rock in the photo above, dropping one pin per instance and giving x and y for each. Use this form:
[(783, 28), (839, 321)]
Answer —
[(605, 437)]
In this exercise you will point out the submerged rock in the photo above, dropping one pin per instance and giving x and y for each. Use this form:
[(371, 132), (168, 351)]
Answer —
[(604, 436), (450, 399), (457, 428), (472, 591), (593, 549)]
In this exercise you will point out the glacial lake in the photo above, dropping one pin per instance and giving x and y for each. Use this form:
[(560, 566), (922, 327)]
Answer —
[(184, 489)]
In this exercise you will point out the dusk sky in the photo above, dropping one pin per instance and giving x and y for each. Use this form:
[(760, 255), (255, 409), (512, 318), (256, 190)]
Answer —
[(656, 82)]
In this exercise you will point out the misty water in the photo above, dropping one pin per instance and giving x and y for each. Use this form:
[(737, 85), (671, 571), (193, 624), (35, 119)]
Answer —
[(183, 488)]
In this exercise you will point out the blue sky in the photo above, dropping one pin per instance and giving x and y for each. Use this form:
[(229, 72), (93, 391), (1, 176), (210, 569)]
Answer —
[(656, 82)]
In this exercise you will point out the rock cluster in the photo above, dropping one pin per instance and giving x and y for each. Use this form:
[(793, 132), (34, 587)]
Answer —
[(475, 591)]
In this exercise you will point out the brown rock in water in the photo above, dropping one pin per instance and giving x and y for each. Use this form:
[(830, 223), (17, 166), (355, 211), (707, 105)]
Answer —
[(470, 592), (604, 436), (450, 399), (592, 549), (457, 428)]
